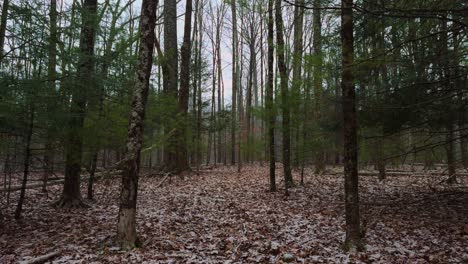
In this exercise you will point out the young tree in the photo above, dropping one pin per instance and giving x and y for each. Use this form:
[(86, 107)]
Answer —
[(280, 50), (71, 196), (353, 240), (126, 227)]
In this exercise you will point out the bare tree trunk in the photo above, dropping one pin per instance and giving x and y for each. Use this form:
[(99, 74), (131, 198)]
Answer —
[(297, 73), (450, 149), (27, 158), (126, 227), (170, 78), (195, 80), (3, 23), (317, 44), (271, 113), (248, 103), (353, 240), (71, 196), (184, 88), (199, 90), (219, 21), (280, 50), (51, 75), (234, 82)]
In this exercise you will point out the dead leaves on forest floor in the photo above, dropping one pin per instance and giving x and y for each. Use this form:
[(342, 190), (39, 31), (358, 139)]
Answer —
[(226, 217)]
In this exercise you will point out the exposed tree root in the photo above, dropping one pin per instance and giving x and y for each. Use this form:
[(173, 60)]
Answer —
[(69, 202)]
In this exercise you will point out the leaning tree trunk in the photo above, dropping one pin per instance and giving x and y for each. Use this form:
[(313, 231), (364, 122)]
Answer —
[(280, 50), (71, 196), (353, 240), (269, 99), (126, 227)]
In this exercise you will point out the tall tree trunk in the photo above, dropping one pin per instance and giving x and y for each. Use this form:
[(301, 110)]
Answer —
[(280, 50), (3, 23), (195, 40), (170, 79), (51, 76), (219, 68), (199, 90), (297, 73), (234, 82), (184, 88), (211, 130), (270, 108), (317, 44), (447, 80), (71, 196), (458, 87), (126, 227), (353, 240), (109, 43), (27, 159), (248, 103)]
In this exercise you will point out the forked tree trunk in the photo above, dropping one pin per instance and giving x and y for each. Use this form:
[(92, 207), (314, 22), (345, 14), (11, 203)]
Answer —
[(280, 50), (126, 227), (353, 240)]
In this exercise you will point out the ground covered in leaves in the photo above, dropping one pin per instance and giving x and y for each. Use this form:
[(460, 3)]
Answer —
[(221, 216)]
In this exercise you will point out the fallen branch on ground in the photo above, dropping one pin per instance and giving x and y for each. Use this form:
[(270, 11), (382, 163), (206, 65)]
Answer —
[(41, 259)]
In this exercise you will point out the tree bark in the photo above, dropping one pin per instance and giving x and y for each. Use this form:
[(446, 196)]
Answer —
[(71, 196), (280, 50), (317, 46), (170, 79), (234, 82), (3, 23), (27, 159), (271, 113), (184, 89), (199, 90), (51, 76), (126, 227), (353, 240), (297, 73)]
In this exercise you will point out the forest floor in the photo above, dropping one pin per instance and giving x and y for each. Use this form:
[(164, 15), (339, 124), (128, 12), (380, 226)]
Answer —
[(222, 216)]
